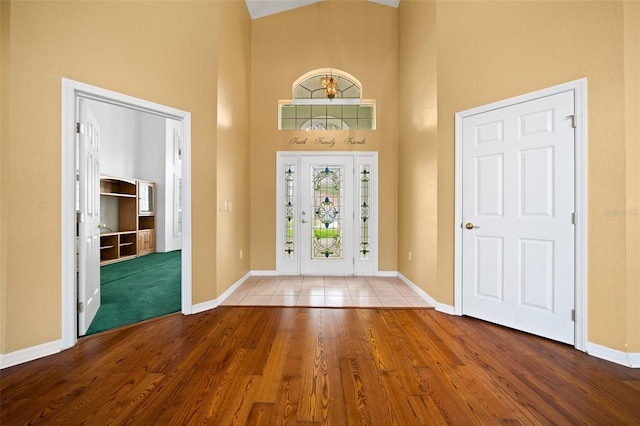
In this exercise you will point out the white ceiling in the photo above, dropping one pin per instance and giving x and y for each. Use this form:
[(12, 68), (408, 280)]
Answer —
[(260, 8)]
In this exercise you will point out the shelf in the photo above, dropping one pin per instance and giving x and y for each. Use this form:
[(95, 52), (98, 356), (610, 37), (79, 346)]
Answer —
[(108, 234), (106, 247), (125, 244), (114, 194)]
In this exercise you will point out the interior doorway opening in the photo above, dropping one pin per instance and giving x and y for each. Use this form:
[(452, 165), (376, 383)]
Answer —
[(72, 94)]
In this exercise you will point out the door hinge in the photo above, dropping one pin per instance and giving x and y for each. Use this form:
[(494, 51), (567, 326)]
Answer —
[(573, 315), (79, 217), (79, 128), (574, 120), (80, 307), (573, 218)]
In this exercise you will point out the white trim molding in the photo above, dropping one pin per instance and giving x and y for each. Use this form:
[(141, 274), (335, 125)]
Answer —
[(363, 267), (425, 296), (30, 354), (579, 88), (440, 307), (627, 359)]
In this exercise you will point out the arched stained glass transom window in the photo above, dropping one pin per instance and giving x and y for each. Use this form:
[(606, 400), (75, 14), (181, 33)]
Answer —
[(311, 109)]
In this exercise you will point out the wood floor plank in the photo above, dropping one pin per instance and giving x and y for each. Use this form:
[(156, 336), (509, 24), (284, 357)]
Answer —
[(332, 397), (286, 406), (309, 409), (274, 370), (312, 366)]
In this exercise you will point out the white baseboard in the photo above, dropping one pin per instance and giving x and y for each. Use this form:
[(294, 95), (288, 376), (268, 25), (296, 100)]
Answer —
[(30, 354), (234, 287), (440, 307), (446, 309), (204, 306), (212, 304), (627, 359), (420, 292)]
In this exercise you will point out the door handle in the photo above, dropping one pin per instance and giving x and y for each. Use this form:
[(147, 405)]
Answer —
[(470, 225), (304, 221)]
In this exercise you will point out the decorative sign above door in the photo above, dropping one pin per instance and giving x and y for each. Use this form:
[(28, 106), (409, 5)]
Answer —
[(330, 142)]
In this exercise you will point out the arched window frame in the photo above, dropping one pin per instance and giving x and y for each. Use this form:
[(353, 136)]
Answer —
[(316, 112)]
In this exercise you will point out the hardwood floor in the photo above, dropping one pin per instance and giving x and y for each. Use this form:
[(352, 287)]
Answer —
[(266, 365)]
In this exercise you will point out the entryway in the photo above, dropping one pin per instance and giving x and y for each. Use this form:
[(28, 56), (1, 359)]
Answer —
[(329, 291), (519, 198), (326, 213)]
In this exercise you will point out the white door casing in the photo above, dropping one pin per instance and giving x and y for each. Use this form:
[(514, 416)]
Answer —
[(72, 93), (520, 264), (326, 213), (88, 218)]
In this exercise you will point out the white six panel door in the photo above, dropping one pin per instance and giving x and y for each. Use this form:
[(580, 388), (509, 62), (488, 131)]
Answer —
[(89, 232), (518, 205)]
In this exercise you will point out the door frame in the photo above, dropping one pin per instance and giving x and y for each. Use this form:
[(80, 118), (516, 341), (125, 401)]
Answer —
[(72, 91), (579, 88), (367, 267)]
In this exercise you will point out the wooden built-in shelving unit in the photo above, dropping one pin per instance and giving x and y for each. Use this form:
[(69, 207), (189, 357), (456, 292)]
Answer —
[(135, 233)]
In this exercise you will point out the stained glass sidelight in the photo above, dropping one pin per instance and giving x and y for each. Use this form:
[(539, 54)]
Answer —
[(327, 202), (365, 171), (289, 209)]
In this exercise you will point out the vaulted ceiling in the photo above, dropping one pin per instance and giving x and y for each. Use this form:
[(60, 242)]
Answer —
[(260, 8)]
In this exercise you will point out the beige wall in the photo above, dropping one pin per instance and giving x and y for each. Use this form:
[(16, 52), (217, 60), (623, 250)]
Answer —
[(288, 45), (233, 168), (417, 146), (165, 52), (488, 51), (4, 165), (632, 139)]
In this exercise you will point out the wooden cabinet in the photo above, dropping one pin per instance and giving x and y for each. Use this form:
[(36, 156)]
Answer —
[(146, 241), (126, 233)]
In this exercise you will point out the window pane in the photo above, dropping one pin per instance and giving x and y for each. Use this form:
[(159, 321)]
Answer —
[(365, 124), (288, 111), (351, 122), (288, 124), (365, 111), (303, 111), (301, 92), (327, 117), (349, 111), (289, 210), (319, 123), (365, 171), (318, 110), (334, 111)]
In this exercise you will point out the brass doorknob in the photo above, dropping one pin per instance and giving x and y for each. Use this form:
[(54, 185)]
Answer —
[(470, 225)]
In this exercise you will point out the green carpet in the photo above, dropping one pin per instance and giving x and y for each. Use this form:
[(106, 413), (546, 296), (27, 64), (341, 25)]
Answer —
[(138, 289)]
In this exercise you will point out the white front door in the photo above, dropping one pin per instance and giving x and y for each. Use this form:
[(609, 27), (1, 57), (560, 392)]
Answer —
[(89, 217), (517, 207), (326, 216)]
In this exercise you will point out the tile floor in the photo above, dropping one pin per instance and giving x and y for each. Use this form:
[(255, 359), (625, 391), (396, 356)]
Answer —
[(326, 292)]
